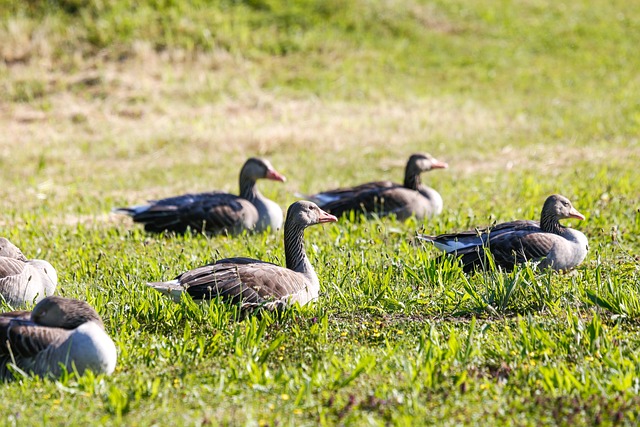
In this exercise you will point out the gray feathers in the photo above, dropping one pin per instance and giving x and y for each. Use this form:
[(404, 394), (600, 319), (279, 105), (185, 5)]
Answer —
[(383, 198), (23, 281), (60, 333), (215, 212), (252, 283), (546, 242)]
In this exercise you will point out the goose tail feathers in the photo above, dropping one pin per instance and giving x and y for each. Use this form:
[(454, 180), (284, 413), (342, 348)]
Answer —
[(172, 288)]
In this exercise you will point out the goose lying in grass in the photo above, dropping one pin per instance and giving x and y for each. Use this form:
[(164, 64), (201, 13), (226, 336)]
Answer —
[(546, 242), (60, 333), (24, 281), (215, 212), (253, 283), (383, 198)]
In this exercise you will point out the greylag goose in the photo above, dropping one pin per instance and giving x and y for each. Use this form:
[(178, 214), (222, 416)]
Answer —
[(215, 212), (24, 281), (385, 197), (59, 332), (546, 242), (257, 284)]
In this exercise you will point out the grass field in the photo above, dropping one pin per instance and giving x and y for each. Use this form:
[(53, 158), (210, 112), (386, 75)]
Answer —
[(104, 104)]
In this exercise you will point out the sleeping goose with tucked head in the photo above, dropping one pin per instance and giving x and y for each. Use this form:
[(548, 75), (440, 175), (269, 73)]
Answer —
[(60, 333), (215, 212), (383, 198), (24, 281), (252, 283), (547, 242)]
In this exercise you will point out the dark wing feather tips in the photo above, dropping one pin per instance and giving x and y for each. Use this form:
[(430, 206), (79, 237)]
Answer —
[(547, 242), (240, 281), (207, 211)]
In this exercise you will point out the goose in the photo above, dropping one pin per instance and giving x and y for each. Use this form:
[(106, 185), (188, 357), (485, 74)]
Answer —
[(547, 242), (215, 212), (252, 283), (24, 281), (9, 250), (385, 197), (59, 334)]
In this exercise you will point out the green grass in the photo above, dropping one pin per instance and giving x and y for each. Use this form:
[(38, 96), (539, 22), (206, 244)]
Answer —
[(103, 104)]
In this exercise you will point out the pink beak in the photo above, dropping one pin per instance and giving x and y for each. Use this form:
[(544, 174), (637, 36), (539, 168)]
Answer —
[(274, 175), (437, 164), (326, 217), (575, 214)]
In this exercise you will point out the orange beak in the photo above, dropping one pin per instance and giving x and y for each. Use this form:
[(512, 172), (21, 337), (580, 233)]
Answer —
[(437, 164), (274, 175), (326, 217), (573, 213)]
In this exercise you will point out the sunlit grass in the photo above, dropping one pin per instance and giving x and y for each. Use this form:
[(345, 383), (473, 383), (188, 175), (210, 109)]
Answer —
[(105, 104)]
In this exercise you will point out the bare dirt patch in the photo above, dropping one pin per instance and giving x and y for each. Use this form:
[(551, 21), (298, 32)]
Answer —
[(159, 100), (156, 111)]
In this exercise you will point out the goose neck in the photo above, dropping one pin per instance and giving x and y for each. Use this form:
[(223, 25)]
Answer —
[(248, 188), (295, 253), (549, 223), (412, 178)]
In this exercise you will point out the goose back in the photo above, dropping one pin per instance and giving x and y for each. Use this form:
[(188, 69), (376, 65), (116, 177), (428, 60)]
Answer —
[(327, 197), (213, 213)]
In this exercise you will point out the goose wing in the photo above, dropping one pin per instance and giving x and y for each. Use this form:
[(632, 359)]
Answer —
[(510, 247), (459, 242), (346, 193), (15, 276), (380, 200), (521, 246), (11, 267), (19, 336), (242, 281), (214, 212), (219, 213)]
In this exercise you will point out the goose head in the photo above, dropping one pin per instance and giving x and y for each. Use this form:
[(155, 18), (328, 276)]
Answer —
[(560, 207), (422, 162), (67, 313), (256, 168), (304, 213)]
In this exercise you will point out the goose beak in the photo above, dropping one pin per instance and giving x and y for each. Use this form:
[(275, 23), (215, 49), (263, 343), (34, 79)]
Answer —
[(437, 164), (573, 213), (326, 217), (274, 175)]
